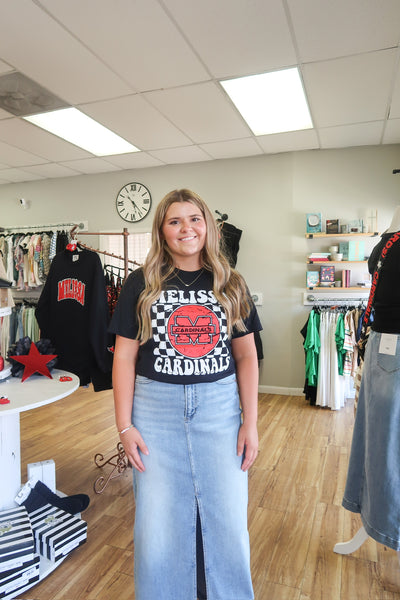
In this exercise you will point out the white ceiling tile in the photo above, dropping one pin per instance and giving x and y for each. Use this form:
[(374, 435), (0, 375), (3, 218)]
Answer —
[(289, 142), (350, 90), (52, 170), (4, 114), (136, 39), (392, 132), (130, 118), (394, 112), (202, 111), (33, 139), (326, 29), (359, 134), (181, 155), (232, 148), (14, 175), (134, 160), (14, 157), (90, 165), (53, 57), (234, 37)]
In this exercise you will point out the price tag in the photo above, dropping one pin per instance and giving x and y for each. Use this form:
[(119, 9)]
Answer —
[(388, 344)]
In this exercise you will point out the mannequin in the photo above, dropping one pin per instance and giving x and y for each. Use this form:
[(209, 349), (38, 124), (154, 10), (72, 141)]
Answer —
[(373, 478), (395, 224)]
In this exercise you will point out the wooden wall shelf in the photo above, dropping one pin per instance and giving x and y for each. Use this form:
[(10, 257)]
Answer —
[(310, 236)]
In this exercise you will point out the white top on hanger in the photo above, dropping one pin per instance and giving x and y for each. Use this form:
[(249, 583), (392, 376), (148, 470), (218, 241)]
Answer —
[(395, 224)]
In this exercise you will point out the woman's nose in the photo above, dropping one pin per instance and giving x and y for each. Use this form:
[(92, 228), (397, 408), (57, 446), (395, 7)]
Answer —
[(185, 224)]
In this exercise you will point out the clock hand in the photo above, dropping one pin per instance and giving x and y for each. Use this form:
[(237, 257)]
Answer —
[(135, 206)]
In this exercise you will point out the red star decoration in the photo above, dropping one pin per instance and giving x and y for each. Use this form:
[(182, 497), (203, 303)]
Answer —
[(35, 362)]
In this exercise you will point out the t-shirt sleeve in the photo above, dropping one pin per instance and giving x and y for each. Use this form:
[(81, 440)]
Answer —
[(124, 320), (252, 323)]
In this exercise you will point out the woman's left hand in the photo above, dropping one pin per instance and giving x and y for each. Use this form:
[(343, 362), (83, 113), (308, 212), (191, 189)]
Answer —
[(247, 445)]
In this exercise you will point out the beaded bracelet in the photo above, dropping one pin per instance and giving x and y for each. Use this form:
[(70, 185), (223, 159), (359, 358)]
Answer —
[(126, 429)]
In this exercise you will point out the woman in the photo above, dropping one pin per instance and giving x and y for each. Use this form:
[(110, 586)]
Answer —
[(184, 362)]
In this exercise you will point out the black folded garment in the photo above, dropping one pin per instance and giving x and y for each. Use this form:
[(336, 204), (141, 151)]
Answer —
[(4, 283)]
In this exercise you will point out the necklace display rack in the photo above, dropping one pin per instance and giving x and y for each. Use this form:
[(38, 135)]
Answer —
[(120, 463)]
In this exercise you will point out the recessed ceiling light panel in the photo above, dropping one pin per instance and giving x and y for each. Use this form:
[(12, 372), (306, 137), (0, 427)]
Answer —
[(271, 102), (74, 126)]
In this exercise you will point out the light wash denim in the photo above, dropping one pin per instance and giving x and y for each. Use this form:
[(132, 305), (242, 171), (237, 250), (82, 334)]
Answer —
[(191, 433), (373, 478)]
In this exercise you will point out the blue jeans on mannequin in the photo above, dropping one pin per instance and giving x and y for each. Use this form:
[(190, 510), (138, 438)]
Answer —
[(191, 433)]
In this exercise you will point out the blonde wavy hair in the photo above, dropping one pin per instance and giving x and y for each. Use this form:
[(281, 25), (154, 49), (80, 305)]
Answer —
[(228, 285)]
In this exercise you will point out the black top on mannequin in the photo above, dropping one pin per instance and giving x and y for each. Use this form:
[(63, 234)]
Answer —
[(387, 295)]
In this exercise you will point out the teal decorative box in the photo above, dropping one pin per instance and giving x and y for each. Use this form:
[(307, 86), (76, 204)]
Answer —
[(352, 250)]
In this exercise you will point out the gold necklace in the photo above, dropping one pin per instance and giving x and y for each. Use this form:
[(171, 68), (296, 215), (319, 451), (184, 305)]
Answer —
[(192, 282)]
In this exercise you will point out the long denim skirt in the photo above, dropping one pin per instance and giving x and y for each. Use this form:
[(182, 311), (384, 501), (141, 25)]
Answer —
[(191, 433), (373, 478)]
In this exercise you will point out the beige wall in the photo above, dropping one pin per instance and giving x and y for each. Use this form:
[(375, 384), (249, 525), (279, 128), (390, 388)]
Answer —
[(265, 196)]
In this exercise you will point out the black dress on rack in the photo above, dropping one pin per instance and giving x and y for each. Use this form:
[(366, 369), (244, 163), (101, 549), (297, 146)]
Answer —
[(73, 313)]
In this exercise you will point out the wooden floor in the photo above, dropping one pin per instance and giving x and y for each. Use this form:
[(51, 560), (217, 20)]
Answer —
[(295, 513)]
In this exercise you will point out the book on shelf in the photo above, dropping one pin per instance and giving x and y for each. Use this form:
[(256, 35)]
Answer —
[(327, 274), (312, 279), (346, 278), (319, 256)]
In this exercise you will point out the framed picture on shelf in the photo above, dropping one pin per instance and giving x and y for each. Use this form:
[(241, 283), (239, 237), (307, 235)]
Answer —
[(314, 223), (312, 279), (356, 226), (332, 226)]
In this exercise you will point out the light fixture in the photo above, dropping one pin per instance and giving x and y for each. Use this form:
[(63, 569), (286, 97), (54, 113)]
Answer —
[(271, 102), (74, 126)]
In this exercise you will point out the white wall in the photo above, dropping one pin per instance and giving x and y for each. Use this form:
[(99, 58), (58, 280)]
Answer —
[(265, 196)]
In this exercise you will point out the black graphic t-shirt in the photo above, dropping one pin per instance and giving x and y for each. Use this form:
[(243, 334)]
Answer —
[(190, 343)]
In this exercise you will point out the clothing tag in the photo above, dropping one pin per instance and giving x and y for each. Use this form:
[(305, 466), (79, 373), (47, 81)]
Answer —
[(75, 257), (388, 344)]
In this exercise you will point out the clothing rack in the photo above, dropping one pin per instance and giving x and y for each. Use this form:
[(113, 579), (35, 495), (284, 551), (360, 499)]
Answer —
[(124, 258), (332, 299), (41, 227)]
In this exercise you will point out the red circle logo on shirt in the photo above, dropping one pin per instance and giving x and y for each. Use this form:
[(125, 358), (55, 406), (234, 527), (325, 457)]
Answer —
[(193, 330)]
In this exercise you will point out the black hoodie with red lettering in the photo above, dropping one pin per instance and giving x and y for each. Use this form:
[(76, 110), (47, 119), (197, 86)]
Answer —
[(73, 313)]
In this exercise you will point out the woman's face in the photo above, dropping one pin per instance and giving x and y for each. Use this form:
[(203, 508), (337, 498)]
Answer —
[(184, 230)]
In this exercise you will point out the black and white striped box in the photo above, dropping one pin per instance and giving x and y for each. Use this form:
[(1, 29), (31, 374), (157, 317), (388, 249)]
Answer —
[(17, 579), (16, 538), (57, 532)]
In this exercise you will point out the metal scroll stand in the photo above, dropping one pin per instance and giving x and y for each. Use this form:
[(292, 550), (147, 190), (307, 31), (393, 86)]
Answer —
[(119, 462)]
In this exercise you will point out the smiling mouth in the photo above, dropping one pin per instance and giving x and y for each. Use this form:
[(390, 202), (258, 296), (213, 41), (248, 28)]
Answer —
[(187, 239)]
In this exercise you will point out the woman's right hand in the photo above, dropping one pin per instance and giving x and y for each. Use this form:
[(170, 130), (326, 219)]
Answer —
[(132, 442)]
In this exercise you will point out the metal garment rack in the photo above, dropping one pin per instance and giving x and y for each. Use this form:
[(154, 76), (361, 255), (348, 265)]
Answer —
[(124, 258), (45, 226), (334, 300)]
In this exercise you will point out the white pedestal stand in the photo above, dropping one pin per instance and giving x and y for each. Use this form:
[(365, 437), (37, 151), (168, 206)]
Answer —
[(35, 391)]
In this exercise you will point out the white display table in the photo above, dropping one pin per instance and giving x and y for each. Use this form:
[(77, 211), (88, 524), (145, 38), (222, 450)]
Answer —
[(35, 391)]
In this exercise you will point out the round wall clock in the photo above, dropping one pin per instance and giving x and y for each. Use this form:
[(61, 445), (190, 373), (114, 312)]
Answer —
[(133, 202)]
